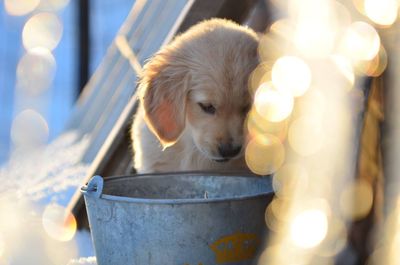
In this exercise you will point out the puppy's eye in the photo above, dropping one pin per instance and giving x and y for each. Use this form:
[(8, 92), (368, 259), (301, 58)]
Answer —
[(207, 108)]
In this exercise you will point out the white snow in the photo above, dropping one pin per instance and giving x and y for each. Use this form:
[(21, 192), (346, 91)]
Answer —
[(30, 181)]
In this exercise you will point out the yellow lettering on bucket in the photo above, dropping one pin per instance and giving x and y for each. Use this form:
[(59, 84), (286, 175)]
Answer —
[(235, 248)]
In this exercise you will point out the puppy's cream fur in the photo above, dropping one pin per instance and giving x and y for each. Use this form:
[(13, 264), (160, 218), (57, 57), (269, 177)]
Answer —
[(209, 65)]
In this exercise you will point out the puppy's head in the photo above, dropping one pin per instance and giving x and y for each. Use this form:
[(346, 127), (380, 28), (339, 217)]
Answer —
[(198, 84)]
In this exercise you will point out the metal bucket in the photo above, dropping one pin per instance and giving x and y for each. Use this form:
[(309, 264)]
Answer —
[(177, 219)]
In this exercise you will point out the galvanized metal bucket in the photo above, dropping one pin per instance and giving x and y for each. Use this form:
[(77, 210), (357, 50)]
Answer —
[(177, 219)]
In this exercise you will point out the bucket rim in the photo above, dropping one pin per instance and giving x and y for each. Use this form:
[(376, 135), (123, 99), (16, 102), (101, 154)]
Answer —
[(269, 190)]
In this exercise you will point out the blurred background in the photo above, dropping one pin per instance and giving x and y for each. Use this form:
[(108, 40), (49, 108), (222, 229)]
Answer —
[(49, 49)]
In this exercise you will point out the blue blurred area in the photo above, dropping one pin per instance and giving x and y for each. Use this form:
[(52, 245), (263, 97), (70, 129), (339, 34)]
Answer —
[(10, 50), (56, 103)]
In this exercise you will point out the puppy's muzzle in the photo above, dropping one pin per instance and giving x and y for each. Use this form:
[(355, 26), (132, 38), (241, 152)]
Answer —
[(228, 151)]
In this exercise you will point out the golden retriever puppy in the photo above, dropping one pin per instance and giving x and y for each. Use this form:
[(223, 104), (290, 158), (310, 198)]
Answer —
[(194, 100)]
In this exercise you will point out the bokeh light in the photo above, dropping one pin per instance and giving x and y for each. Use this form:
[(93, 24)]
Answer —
[(331, 51), (36, 71), (11, 215), (256, 124), (264, 154), (58, 223), (315, 31), (361, 42), (270, 46), (289, 180), (382, 12), (356, 200), (313, 103), (335, 239), (376, 66), (306, 135), (25, 240), (273, 214), (42, 30), (274, 105), (29, 129), (345, 67), (2, 245), (53, 5), (291, 74), (282, 28), (308, 228), (395, 256), (359, 5), (20, 7), (260, 75)]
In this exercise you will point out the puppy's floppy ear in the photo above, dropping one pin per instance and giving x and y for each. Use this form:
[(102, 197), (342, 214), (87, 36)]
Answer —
[(163, 90)]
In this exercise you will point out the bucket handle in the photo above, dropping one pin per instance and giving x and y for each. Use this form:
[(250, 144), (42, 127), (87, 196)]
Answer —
[(94, 188)]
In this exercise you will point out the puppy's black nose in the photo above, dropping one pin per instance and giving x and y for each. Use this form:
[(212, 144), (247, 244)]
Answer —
[(229, 150)]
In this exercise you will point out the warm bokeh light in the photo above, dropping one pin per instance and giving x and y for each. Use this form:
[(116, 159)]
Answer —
[(393, 230), (361, 42), (28, 129), (274, 105), (306, 135), (36, 71), (2, 245), (332, 48), (308, 228), (2, 250), (272, 215), (345, 67), (313, 103), (356, 200), (11, 219), (270, 47), (315, 31), (264, 154), (291, 74), (282, 28), (335, 239), (395, 256), (42, 30), (376, 66), (24, 238), (290, 180), (260, 75), (58, 223), (256, 124), (382, 12), (20, 7)]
